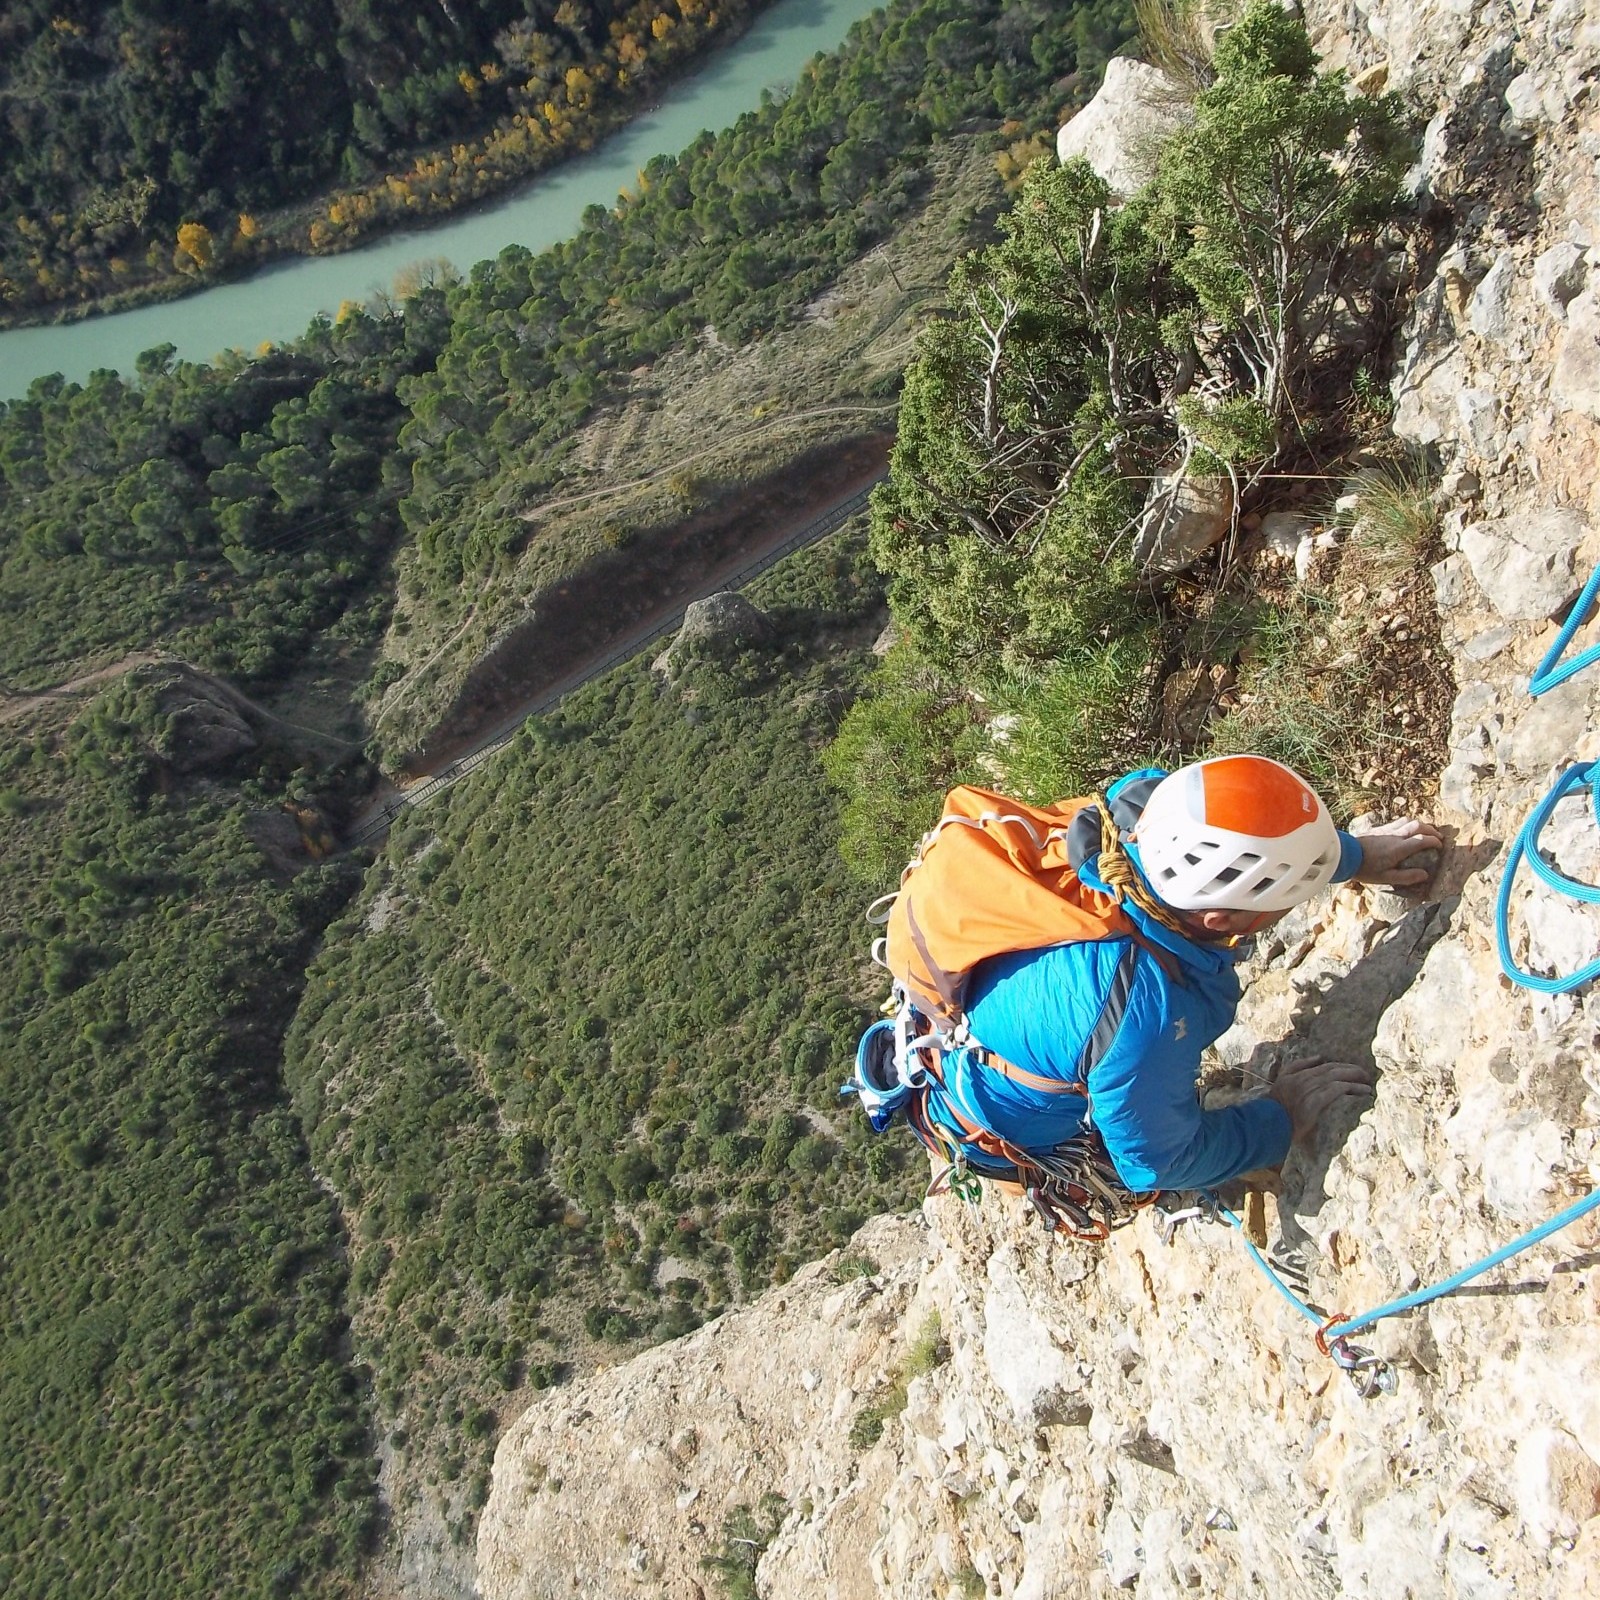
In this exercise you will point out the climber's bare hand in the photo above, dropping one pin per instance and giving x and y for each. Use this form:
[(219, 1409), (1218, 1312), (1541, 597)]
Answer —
[(1386, 849), (1309, 1089)]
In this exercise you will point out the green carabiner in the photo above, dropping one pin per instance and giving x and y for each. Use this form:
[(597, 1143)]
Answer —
[(965, 1182)]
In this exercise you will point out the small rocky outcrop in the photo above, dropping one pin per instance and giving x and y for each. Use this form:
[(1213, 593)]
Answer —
[(1184, 517), (196, 723), (1119, 131), (712, 629)]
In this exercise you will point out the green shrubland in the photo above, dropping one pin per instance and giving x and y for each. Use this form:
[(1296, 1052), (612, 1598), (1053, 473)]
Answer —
[(572, 1061), (1096, 353), (233, 514), (181, 1411)]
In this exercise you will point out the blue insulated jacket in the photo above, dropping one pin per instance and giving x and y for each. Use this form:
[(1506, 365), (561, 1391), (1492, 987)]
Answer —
[(1045, 1010)]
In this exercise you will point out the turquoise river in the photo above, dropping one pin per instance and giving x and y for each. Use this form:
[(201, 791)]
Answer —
[(279, 301)]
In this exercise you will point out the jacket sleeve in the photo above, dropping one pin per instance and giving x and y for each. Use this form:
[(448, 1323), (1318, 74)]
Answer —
[(1351, 855), (1144, 1101)]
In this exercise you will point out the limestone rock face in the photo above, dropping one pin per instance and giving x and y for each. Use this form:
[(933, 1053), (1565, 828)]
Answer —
[(1525, 564), (1576, 380), (619, 1485), (1118, 131)]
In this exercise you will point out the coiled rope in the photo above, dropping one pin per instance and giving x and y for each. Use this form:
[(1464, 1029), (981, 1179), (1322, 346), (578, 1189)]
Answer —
[(1547, 674), (1124, 879), (1525, 847)]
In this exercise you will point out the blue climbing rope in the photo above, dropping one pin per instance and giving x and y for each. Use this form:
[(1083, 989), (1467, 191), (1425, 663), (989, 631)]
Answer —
[(1526, 847), (1421, 1297), (1547, 674), (1267, 1267), (1333, 1334)]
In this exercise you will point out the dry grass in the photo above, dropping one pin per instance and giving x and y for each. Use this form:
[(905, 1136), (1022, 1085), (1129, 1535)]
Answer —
[(1179, 36), (1393, 523)]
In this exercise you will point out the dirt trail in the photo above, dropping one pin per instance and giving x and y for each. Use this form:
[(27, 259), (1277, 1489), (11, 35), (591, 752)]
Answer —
[(599, 617), (15, 706)]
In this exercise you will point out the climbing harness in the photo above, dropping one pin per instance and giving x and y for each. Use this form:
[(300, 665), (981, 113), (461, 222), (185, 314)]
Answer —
[(1525, 847), (1072, 1188)]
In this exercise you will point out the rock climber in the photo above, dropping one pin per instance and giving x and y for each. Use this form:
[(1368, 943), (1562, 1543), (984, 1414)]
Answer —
[(1204, 857)]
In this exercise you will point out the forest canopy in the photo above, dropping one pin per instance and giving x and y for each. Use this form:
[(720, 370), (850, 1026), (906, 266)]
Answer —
[(143, 138)]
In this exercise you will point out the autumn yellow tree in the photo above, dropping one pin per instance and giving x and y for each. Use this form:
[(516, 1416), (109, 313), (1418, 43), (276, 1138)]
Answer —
[(194, 243)]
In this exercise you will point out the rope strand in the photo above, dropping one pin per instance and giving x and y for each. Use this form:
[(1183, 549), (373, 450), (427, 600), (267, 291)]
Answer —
[(1124, 879)]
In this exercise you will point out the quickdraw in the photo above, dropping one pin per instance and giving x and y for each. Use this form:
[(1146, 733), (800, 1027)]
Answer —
[(1370, 1374)]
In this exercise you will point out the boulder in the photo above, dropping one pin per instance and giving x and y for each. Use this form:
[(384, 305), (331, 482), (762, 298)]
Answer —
[(726, 618), (1558, 277), (1525, 564), (1283, 531), (713, 627), (1575, 383), (1182, 520), (1524, 103), (1120, 130)]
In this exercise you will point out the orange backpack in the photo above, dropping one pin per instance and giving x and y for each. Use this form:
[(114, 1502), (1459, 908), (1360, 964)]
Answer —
[(989, 879)]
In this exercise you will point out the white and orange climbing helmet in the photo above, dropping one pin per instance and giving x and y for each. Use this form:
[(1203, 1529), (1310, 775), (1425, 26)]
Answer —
[(1236, 833)]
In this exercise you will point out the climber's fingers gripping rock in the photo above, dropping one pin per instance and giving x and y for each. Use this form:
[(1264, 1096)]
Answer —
[(1386, 850), (1310, 1088)]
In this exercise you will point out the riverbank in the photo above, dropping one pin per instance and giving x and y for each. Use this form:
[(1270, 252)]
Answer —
[(437, 180), (273, 300)]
